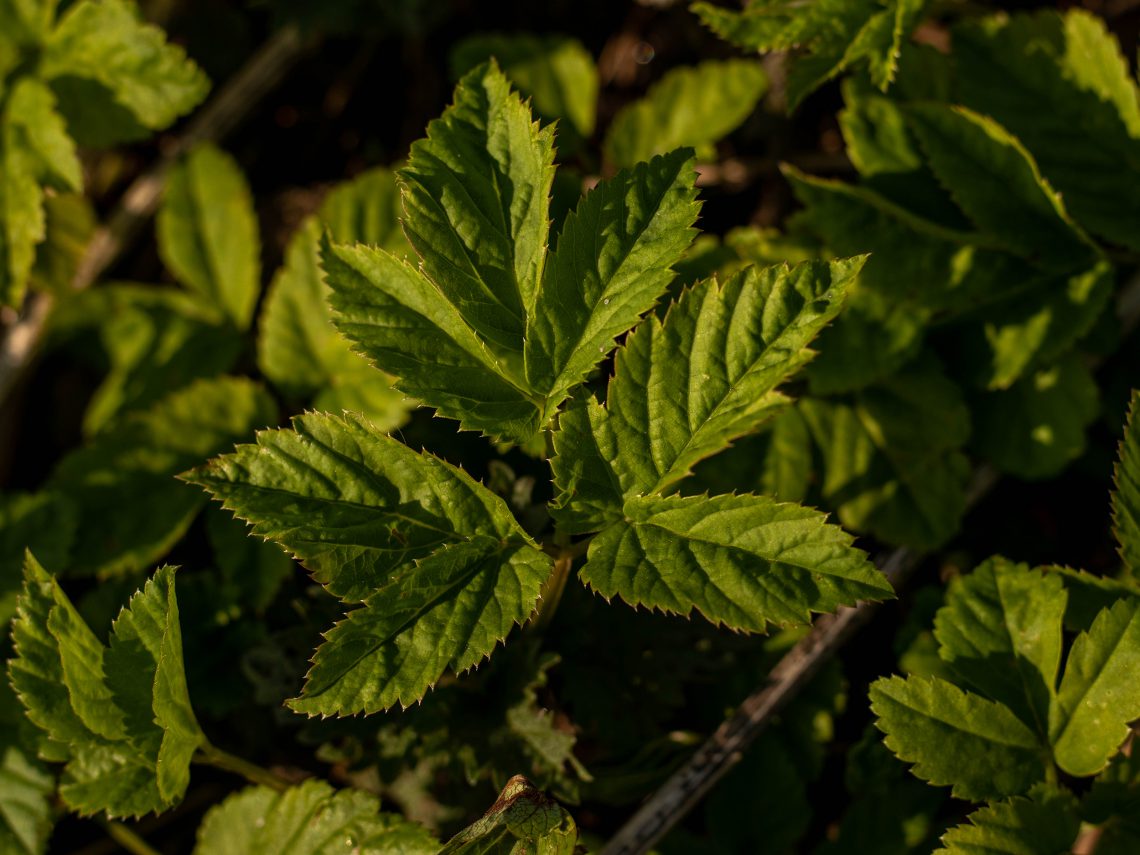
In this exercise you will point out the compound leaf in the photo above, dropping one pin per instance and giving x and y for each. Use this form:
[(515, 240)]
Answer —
[(448, 610), (1000, 631), (975, 745), (439, 562), (686, 387), (118, 77), (694, 107), (744, 561), (476, 194), (120, 716), (207, 233), (397, 318), (1098, 696), (612, 264), (309, 819), (354, 505)]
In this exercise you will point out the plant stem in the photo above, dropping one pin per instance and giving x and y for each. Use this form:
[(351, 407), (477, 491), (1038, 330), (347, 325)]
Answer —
[(127, 838), (211, 756)]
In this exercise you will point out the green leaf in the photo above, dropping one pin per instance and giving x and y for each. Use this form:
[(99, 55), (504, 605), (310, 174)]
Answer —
[(119, 716), (309, 819), (521, 820), (1089, 595), (448, 611), (207, 233), (69, 223), (255, 569), (35, 129), (298, 347), (1098, 696), (131, 509), (35, 151), (881, 39), (1126, 495), (26, 22), (400, 321), (890, 460), (997, 184), (116, 75), (556, 72), (612, 263), (1036, 428), (1113, 804), (1017, 826), (744, 561), (694, 107), (686, 387), (155, 340), (956, 738), (1069, 96), (354, 505), (27, 787), (489, 330), (442, 567), (1032, 326), (475, 202), (1000, 631), (833, 36)]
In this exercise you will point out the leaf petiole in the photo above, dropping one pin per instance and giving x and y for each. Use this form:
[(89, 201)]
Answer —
[(209, 755)]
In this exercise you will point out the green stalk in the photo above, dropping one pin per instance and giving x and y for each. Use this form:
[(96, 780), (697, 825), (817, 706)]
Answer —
[(209, 755), (127, 838)]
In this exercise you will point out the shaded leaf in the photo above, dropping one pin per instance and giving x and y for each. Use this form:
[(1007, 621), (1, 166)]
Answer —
[(1037, 426), (298, 347), (1126, 495), (207, 233), (1000, 631), (690, 106), (131, 509), (890, 464), (955, 738), (121, 64), (556, 72), (156, 340), (1069, 96), (996, 182)]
